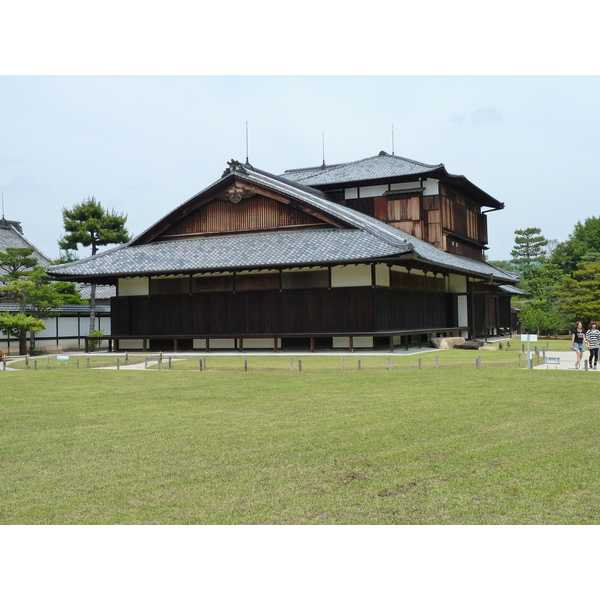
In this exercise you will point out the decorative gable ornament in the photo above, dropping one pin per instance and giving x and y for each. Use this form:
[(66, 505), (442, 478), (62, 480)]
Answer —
[(236, 194)]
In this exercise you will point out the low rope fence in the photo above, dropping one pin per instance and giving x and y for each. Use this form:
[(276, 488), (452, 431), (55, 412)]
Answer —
[(165, 362)]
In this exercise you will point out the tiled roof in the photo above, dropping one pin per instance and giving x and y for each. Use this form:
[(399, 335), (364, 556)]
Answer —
[(11, 237), (65, 308), (381, 166), (103, 292), (234, 251), (388, 167), (366, 238), (511, 289)]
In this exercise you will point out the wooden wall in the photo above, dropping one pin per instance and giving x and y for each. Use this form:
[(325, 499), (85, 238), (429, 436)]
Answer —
[(250, 214), (336, 310)]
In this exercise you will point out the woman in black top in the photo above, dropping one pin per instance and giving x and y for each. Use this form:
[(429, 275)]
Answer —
[(578, 340)]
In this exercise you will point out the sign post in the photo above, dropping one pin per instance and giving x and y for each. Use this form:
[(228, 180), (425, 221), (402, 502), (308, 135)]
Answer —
[(529, 337)]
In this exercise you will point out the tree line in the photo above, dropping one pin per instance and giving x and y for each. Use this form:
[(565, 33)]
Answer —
[(24, 281), (561, 280)]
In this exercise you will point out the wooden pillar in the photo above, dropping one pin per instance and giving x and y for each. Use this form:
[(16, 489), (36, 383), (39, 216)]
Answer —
[(174, 344), (145, 345), (241, 344), (351, 344), (312, 344), (391, 343), (207, 344), (274, 344)]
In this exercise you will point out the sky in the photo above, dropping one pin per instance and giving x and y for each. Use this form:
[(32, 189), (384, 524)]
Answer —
[(142, 145)]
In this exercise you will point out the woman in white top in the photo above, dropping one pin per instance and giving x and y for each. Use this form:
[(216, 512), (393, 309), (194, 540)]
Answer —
[(592, 337)]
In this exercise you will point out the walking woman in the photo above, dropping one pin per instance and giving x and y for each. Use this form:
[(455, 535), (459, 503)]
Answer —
[(593, 343), (577, 343)]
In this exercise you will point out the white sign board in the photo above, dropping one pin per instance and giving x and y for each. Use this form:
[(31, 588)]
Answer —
[(529, 337)]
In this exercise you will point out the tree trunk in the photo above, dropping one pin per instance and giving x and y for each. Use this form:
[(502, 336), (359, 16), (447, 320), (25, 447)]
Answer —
[(22, 334), (93, 308)]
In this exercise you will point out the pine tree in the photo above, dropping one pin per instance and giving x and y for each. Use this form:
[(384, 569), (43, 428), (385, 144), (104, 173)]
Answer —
[(529, 248), (90, 224)]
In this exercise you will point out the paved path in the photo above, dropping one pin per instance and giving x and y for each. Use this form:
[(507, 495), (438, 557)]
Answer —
[(567, 361)]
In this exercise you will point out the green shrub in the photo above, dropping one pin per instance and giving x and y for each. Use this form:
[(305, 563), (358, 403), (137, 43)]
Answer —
[(93, 344)]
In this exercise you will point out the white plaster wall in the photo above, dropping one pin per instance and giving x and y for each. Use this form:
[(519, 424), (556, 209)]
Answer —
[(457, 284), (131, 345), (268, 343), (136, 286), (373, 190), (216, 344), (50, 327), (351, 275), (358, 342), (463, 311), (351, 193), (69, 327), (382, 275), (432, 187)]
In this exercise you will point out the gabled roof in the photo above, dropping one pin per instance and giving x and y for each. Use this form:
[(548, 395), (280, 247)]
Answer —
[(356, 237), (385, 168), (11, 236)]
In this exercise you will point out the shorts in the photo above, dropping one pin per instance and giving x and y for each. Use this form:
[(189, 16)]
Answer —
[(579, 347)]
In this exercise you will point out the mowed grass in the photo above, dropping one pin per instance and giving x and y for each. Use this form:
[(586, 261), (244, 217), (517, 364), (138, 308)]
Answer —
[(321, 446)]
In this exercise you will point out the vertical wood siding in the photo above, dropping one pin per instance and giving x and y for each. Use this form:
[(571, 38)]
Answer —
[(250, 214), (285, 312)]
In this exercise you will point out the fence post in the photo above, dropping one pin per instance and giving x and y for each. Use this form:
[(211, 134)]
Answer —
[(342, 363), (300, 365), (420, 364), (118, 363), (585, 362), (169, 362), (507, 346), (159, 362), (478, 362), (200, 365), (520, 360), (437, 363), (146, 363), (359, 364), (389, 364), (88, 363), (77, 363), (35, 364), (126, 358), (27, 363), (291, 364), (47, 363), (245, 364)]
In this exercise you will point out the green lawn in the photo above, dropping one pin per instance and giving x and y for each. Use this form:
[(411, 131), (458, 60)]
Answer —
[(272, 446)]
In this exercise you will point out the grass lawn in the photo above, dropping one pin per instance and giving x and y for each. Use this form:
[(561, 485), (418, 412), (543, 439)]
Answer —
[(272, 446)]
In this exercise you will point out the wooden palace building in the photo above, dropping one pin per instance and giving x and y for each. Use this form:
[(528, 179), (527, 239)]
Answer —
[(376, 253)]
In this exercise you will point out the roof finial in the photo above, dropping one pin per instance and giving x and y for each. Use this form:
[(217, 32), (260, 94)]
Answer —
[(247, 142), (3, 205), (323, 143), (392, 139)]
